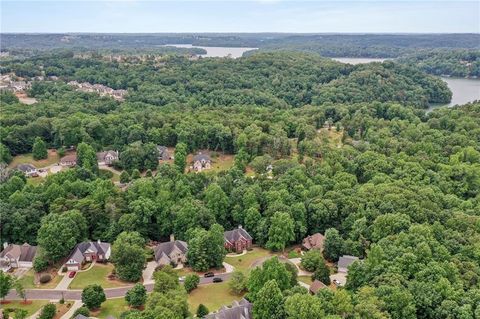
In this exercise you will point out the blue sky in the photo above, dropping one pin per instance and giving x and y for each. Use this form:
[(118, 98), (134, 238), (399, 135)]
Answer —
[(240, 16)]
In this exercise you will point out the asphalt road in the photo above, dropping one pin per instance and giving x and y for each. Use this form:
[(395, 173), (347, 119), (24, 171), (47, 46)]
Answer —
[(52, 294)]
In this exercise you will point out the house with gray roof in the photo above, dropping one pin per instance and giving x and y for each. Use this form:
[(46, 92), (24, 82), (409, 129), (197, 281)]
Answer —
[(86, 252), (107, 157), (17, 256), (28, 169), (201, 162), (163, 154), (344, 262), (237, 240), (239, 310), (172, 252)]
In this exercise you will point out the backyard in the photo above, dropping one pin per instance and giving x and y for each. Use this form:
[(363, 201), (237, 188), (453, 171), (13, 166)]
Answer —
[(213, 296), (98, 274), (28, 158), (111, 307)]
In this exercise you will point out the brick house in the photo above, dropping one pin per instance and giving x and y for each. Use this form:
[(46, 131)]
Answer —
[(107, 157), (174, 251), (201, 162), (237, 240), (86, 252), (17, 256)]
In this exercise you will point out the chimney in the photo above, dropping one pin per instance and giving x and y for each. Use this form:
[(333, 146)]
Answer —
[(172, 237), (98, 241), (5, 245), (240, 227)]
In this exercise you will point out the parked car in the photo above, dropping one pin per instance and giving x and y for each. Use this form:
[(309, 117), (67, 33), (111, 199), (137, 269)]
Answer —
[(181, 278), (217, 279), (72, 274), (209, 274)]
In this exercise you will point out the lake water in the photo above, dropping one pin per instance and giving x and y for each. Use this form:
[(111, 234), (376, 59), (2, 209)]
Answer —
[(216, 52), (464, 90)]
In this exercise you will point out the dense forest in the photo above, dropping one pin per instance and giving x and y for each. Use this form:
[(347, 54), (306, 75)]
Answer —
[(460, 63), (399, 188)]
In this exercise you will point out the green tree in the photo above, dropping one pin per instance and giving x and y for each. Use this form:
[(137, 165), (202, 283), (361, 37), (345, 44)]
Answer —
[(281, 231), (300, 306), (6, 283), (137, 296), (202, 311), (48, 311), (20, 290), (39, 149), (206, 248), (20, 314), (86, 157), (191, 282), (238, 282), (128, 256), (217, 201), (269, 302), (333, 245), (271, 269), (180, 159), (311, 259), (5, 155), (93, 296), (165, 280), (124, 177)]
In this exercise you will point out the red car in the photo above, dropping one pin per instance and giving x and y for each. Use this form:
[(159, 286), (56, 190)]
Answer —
[(72, 274)]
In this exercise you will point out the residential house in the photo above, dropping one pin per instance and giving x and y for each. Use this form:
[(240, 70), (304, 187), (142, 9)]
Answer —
[(17, 256), (69, 160), (28, 169), (163, 153), (344, 262), (314, 241), (239, 310), (201, 162), (86, 252), (237, 240), (316, 286), (172, 252), (19, 86), (107, 157)]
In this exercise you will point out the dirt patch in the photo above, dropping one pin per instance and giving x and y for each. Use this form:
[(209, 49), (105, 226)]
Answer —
[(62, 309)]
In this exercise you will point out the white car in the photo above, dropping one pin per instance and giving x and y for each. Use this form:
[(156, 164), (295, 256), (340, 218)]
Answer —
[(181, 278)]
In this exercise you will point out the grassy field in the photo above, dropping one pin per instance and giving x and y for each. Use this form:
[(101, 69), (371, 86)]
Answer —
[(98, 274), (28, 158), (305, 279), (28, 282), (214, 296), (31, 307), (111, 307), (244, 262)]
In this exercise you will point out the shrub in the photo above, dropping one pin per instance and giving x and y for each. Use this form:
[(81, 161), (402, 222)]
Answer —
[(64, 269), (81, 311), (191, 282), (202, 311), (45, 278), (48, 311), (105, 174), (311, 260), (137, 296), (61, 152)]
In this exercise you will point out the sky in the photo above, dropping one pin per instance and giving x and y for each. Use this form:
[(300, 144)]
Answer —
[(137, 16)]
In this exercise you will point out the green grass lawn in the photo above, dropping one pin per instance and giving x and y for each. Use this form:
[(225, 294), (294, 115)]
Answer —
[(27, 281), (244, 262), (35, 180), (222, 163), (112, 307), (28, 158), (96, 275), (32, 306), (213, 296), (305, 279)]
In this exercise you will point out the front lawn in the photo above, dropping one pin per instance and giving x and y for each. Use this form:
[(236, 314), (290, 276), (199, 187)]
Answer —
[(112, 307), (213, 296), (98, 274), (245, 262), (28, 158), (305, 279), (28, 281), (31, 306)]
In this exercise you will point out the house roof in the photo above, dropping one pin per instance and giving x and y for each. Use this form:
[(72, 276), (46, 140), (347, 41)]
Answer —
[(165, 249), (239, 310), (316, 286), (101, 155), (26, 167), (92, 246), (346, 260), (161, 148), (23, 252), (314, 241), (201, 157), (69, 158), (80, 316), (232, 236)]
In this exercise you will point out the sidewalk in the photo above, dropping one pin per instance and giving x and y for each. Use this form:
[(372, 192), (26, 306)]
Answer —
[(77, 304)]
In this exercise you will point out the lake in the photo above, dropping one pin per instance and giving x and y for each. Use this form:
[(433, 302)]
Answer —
[(216, 52), (464, 90)]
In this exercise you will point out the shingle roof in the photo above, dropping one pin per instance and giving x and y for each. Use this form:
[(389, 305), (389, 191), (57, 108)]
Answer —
[(239, 310), (23, 252), (164, 249), (26, 167), (80, 316), (69, 158), (314, 241), (316, 286), (346, 260), (236, 234), (94, 246), (201, 157), (101, 155)]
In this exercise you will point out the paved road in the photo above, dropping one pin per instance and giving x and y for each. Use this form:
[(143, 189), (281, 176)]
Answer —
[(52, 294)]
